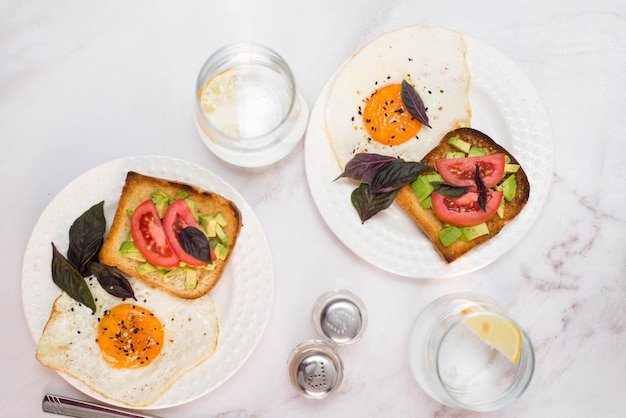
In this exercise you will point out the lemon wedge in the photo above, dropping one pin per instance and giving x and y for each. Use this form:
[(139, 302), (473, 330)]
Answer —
[(218, 91), (218, 100), (498, 332)]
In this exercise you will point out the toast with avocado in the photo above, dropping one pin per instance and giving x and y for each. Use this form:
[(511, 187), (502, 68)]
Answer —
[(463, 224), (171, 235)]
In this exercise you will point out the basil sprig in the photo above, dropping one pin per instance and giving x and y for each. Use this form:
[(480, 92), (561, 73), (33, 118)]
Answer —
[(368, 204), (67, 277), (381, 178), (364, 166), (86, 236)]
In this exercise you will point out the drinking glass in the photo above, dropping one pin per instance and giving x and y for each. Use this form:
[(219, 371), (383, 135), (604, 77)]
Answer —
[(247, 109), (455, 361)]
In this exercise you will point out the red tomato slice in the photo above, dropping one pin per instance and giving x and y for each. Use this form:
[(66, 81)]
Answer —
[(178, 216), (462, 171), (465, 211), (149, 236)]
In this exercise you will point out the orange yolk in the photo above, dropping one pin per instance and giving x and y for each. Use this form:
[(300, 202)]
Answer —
[(129, 336), (386, 119)]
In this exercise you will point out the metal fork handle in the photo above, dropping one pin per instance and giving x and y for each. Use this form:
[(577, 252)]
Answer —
[(81, 409)]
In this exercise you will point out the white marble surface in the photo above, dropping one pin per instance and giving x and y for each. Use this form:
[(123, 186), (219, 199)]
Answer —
[(82, 83)]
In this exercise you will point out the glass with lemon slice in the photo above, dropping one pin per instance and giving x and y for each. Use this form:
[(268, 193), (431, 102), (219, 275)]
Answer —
[(465, 351), (247, 109)]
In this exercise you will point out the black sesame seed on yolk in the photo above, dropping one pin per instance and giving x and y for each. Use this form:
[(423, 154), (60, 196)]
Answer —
[(129, 336), (386, 119)]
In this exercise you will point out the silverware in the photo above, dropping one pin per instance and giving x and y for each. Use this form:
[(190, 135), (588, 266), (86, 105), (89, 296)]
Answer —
[(81, 409)]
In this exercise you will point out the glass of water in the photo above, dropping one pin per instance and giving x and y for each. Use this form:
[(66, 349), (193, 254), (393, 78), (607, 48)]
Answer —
[(248, 111), (465, 351)]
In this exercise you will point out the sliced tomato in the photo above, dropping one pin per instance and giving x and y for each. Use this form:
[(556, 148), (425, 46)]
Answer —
[(149, 236), (462, 171), (178, 216), (465, 211)]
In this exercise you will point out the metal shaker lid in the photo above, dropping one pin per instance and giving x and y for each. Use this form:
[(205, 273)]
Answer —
[(315, 370), (340, 316)]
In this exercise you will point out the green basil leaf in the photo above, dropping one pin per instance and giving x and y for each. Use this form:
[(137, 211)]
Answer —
[(67, 277), (195, 243), (86, 237), (413, 103), (364, 166), (394, 175), (368, 204), (112, 280), (449, 190)]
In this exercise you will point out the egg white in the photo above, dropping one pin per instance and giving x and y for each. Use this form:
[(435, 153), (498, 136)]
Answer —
[(431, 59), (68, 343)]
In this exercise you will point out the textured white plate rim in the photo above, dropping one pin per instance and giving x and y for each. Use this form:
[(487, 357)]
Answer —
[(506, 106), (243, 297)]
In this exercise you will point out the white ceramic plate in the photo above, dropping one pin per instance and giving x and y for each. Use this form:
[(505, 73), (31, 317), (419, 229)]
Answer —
[(243, 296), (505, 106)]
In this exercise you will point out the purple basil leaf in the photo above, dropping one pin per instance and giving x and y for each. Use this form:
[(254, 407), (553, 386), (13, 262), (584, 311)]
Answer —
[(195, 243), (395, 175), (112, 280), (482, 197), (368, 204), (86, 237), (449, 190), (364, 166), (414, 103), (69, 279)]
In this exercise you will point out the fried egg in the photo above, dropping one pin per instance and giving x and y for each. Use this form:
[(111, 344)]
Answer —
[(129, 350), (364, 111)]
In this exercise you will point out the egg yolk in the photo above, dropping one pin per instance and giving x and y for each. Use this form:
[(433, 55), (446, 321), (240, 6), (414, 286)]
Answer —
[(129, 336), (386, 119)]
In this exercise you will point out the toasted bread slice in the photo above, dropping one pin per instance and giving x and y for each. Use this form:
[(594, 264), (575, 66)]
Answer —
[(137, 189), (428, 221)]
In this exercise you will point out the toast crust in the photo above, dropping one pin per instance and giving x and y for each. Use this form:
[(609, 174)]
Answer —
[(137, 188), (430, 224)]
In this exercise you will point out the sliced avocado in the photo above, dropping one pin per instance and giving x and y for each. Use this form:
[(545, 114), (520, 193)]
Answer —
[(179, 195), (146, 268), (220, 219), (500, 210), (166, 274), (449, 234), (476, 152), (221, 234), (434, 177), (191, 279), (507, 159), (427, 203), (457, 154), (191, 205), (508, 187), (511, 168), (220, 251), (129, 250), (207, 223), (422, 187), (459, 144), (209, 226), (161, 201), (469, 233)]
